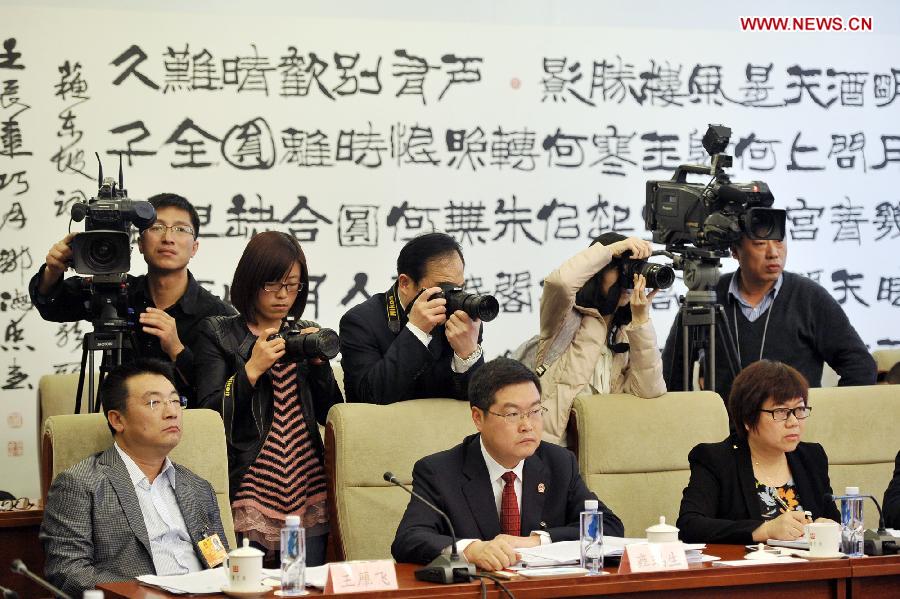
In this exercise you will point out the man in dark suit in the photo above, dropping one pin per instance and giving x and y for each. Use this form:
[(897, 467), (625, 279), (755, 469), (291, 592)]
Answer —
[(129, 511), (402, 344), (503, 489), (892, 498)]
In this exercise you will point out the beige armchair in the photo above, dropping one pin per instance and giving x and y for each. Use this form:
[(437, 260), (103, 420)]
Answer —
[(56, 395), (68, 439), (633, 452), (857, 426), (885, 359), (362, 441)]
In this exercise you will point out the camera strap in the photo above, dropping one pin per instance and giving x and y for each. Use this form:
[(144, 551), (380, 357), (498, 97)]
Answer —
[(392, 307)]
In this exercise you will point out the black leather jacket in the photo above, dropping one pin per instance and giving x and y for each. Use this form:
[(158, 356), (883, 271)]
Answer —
[(223, 347)]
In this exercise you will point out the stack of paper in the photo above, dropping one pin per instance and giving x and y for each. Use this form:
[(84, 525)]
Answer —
[(207, 582), (565, 553), (204, 582)]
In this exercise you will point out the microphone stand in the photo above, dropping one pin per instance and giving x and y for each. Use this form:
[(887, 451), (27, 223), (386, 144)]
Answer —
[(444, 569), (19, 567)]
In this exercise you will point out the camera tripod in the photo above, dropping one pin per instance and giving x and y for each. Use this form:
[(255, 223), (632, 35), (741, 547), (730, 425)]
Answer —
[(112, 335), (703, 321)]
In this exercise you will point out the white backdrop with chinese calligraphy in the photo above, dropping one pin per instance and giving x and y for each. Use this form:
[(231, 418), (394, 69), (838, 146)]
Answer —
[(522, 129)]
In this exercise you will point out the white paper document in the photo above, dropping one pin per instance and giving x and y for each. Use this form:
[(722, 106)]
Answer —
[(760, 562), (789, 544), (564, 553), (204, 582), (208, 582)]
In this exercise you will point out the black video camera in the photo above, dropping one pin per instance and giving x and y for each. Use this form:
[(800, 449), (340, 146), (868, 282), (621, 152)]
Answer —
[(484, 307), (105, 246), (323, 344), (715, 215)]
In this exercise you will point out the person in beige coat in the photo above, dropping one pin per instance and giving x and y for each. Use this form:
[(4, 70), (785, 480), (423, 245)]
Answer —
[(596, 335)]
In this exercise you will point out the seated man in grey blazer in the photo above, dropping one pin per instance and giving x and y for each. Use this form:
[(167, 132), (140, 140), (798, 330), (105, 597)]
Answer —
[(129, 510), (503, 489)]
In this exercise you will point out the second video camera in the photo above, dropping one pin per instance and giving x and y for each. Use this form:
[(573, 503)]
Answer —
[(715, 215)]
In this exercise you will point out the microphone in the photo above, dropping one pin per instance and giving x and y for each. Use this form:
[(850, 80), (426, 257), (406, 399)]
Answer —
[(19, 567), (875, 542), (443, 569)]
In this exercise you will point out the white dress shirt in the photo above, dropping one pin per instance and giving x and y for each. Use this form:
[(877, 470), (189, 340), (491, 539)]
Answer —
[(495, 473), (170, 543)]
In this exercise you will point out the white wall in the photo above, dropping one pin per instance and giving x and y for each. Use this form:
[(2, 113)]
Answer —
[(512, 39)]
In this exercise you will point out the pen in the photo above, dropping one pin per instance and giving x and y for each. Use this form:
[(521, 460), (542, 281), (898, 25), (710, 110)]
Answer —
[(782, 502)]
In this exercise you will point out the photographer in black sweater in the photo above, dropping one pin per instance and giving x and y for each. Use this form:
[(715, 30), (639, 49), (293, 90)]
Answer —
[(780, 316)]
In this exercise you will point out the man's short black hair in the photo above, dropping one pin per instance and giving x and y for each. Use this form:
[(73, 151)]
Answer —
[(114, 390), (494, 376), (418, 251), (173, 200)]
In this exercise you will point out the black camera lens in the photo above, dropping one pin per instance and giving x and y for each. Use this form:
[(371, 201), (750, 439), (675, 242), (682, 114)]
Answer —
[(323, 344), (657, 276), (483, 307), (764, 223), (101, 252)]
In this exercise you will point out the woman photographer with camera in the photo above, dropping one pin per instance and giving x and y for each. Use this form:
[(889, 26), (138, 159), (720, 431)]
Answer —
[(270, 399), (596, 335)]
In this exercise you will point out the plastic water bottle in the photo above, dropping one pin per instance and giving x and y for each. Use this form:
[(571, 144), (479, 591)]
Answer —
[(591, 531), (852, 526), (293, 558)]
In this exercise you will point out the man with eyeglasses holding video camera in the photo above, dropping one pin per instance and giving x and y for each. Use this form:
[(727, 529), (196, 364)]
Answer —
[(167, 302)]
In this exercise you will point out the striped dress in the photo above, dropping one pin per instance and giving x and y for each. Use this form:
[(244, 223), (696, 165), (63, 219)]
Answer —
[(287, 476)]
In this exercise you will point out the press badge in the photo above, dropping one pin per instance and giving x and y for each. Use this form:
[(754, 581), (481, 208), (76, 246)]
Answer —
[(212, 550)]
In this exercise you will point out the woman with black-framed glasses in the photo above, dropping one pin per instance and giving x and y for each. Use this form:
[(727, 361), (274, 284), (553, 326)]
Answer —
[(762, 481), (270, 398)]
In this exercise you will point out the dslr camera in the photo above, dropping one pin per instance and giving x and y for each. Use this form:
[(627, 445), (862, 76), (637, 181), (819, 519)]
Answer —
[(715, 215), (104, 248), (484, 307), (658, 276), (323, 344)]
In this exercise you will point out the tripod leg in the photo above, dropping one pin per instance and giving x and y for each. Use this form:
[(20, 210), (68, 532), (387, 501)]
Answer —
[(84, 352), (728, 343), (686, 349)]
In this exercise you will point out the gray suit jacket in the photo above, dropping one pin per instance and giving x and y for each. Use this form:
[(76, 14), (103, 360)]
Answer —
[(93, 529)]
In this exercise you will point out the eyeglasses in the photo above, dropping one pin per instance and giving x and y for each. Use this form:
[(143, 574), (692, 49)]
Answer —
[(276, 286), (174, 402), (159, 229), (22, 503), (782, 414), (514, 417)]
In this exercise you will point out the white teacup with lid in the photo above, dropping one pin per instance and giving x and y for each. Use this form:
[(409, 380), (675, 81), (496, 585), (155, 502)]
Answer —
[(662, 532), (244, 567)]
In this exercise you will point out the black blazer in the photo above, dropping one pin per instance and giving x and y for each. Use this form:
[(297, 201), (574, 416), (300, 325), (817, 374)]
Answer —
[(381, 367), (720, 503), (224, 346), (891, 503), (457, 481)]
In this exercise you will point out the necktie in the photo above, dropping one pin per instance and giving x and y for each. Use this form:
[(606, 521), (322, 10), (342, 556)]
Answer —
[(509, 506)]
